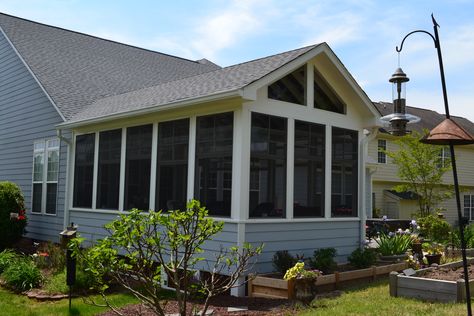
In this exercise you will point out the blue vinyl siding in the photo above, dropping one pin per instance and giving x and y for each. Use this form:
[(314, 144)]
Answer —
[(26, 115), (302, 238)]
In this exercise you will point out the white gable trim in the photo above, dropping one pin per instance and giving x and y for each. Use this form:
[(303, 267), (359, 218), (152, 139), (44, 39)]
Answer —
[(250, 91), (33, 74)]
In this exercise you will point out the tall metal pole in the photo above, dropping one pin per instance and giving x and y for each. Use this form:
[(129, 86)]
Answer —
[(455, 173), (436, 40)]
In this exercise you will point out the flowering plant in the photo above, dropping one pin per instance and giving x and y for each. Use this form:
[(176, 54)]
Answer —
[(299, 272), (433, 248)]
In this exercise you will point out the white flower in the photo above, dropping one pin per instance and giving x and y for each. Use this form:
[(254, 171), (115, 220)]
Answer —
[(384, 218)]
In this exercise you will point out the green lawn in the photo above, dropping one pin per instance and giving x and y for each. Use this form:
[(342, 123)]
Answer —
[(12, 305), (375, 300)]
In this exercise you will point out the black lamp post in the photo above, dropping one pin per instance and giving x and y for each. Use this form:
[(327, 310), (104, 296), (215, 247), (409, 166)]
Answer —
[(447, 132)]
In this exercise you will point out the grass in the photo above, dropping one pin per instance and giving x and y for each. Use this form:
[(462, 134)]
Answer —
[(375, 300), (19, 305)]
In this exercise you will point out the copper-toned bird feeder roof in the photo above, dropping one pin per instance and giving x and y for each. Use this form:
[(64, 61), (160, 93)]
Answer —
[(448, 132)]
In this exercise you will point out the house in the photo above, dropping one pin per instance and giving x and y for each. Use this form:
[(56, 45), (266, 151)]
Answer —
[(274, 147), (384, 172)]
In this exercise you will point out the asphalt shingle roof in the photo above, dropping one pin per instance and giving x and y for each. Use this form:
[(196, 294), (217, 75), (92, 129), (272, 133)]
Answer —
[(218, 81), (77, 69), (429, 118)]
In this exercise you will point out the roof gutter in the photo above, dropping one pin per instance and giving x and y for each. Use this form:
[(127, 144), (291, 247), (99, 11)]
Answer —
[(154, 109)]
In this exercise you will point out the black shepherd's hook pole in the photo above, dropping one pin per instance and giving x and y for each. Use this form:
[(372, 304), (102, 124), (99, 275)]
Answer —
[(436, 41)]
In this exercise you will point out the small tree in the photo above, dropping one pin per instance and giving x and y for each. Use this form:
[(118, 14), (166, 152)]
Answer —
[(421, 170), (141, 246), (11, 202)]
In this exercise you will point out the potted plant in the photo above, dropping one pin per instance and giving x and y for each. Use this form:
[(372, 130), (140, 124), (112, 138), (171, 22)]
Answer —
[(305, 286), (393, 247), (434, 251)]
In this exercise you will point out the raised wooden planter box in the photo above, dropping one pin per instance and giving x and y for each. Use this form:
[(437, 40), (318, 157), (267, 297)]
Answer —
[(429, 289), (266, 286)]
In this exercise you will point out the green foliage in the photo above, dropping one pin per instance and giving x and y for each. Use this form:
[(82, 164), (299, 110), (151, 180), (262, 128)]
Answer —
[(7, 257), (282, 261), (22, 275), (155, 241), (433, 248), (51, 256), (56, 284), (323, 259), (393, 244), (11, 201), (362, 258), (434, 228), (420, 170), (456, 239)]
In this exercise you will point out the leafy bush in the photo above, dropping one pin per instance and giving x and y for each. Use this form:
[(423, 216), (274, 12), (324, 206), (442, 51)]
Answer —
[(434, 228), (323, 260), (22, 275), (468, 236), (7, 257), (11, 201), (393, 244), (283, 260), (362, 258), (56, 284)]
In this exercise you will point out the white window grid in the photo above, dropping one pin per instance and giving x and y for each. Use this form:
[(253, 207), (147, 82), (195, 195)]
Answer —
[(43, 149), (469, 206), (381, 147)]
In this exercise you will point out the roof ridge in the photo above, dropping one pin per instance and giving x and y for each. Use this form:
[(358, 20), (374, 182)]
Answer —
[(273, 55), (98, 38)]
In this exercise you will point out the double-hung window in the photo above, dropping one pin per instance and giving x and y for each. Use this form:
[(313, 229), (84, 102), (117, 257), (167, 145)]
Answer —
[(381, 148), (469, 206), (45, 176)]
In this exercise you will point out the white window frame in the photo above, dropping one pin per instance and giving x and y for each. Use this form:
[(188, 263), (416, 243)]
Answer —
[(381, 155), (469, 209), (444, 155), (45, 150)]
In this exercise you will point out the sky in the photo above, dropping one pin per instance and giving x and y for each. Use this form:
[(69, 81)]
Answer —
[(362, 33)]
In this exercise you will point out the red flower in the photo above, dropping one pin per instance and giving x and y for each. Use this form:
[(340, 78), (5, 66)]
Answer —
[(21, 217)]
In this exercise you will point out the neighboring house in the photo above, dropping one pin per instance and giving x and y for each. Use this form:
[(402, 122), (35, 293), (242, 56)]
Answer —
[(274, 147), (384, 172)]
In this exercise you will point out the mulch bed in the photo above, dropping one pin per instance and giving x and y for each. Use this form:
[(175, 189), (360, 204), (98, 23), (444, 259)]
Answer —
[(448, 274), (219, 305)]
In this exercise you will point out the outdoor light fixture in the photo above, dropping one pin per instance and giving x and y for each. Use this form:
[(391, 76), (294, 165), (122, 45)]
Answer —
[(399, 119), (448, 132)]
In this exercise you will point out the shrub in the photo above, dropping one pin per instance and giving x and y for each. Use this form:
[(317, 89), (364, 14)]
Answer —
[(7, 257), (393, 244), (362, 258), (50, 256), (434, 228), (22, 275), (468, 236), (11, 201), (282, 261), (323, 260)]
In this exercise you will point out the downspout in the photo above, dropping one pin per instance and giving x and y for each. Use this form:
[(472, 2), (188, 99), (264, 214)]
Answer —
[(369, 136), (66, 189)]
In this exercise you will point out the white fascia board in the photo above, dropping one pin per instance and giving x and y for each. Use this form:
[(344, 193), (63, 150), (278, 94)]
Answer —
[(33, 75), (251, 89), (154, 109)]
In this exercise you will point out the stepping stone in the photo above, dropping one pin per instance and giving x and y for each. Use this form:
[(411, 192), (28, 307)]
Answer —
[(237, 309)]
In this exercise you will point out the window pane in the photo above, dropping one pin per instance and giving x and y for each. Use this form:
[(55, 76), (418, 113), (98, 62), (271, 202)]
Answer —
[(172, 178), (268, 166), (344, 173), (108, 173), (84, 171), (381, 155), (137, 167), (324, 96), (213, 179), (53, 165), (38, 163), (37, 194), (51, 192), (308, 189), (291, 88)]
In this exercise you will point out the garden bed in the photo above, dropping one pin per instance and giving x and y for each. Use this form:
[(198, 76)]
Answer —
[(443, 283), (270, 287)]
